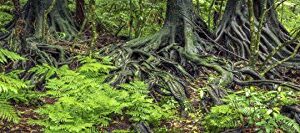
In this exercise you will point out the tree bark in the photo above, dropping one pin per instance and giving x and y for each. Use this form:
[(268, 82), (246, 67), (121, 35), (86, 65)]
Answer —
[(40, 16), (79, 13), (37, 24), (17, 6), (234, 33)]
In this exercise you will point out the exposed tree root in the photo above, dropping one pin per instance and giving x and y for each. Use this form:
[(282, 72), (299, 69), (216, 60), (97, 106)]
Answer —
[(45, 53), (171, 58), (276, 47), (292, 112), (158, 69), (31, 30), (37, 52), (234, 34), (170, 66)]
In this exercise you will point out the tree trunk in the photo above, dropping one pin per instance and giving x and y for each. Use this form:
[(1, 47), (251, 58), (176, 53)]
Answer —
[(33, 27), (41, 16), (172, 55), (234, 33), (17, 6), (79, 13)]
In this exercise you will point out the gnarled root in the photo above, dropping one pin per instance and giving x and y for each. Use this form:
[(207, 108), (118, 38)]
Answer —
[(152, 59), (37, 52), (167, 61), (275, 45), (40, 52), (292, 112)]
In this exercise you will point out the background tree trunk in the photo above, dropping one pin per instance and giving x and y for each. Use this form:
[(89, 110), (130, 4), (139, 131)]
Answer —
[(234, 33), (79, 13), (40, 16)]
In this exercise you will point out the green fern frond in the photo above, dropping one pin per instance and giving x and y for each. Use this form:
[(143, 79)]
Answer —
[(96, 67), (6, 55), (248, 108), (93, 65), (286, 123), (44, 70), (9, 84), (7, 112), (136, 86)]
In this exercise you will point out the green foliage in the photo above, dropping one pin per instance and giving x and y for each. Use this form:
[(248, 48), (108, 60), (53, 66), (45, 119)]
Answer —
[(43, 70), (134, 18), (5, 15), (141, 107), (253, 108), (205, 9), (9, 84), (6, 12), (7, 112), (289, 14), (6, 55), (84, 102)]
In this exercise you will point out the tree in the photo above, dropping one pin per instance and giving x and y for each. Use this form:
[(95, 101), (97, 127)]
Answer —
[(79, 13), (172, 56), (41, 16), (262, 39), (176, 54), (269, 41), (38, 22)]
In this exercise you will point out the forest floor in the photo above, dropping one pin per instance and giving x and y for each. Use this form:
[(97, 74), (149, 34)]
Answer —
[(27, 111), (183, 123), (190, 123)]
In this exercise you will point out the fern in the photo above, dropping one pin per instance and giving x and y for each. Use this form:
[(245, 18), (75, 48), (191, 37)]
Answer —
[(9, 84), (253, 108), (7, 112), (282, 122), (141, 107), (6, 55), (84, 101), (44, 70), (4, 16), (93, 66)]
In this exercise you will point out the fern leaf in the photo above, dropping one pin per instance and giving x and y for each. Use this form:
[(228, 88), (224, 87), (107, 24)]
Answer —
[(6, 55), (8, 83), (44, 69), (7, 112)]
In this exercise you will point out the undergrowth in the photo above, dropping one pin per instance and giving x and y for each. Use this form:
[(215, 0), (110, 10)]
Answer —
[(254, 110), (10, 84), (85, 102)]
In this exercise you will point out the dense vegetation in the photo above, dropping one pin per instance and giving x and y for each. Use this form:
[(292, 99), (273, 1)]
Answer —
[(149, 66)]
